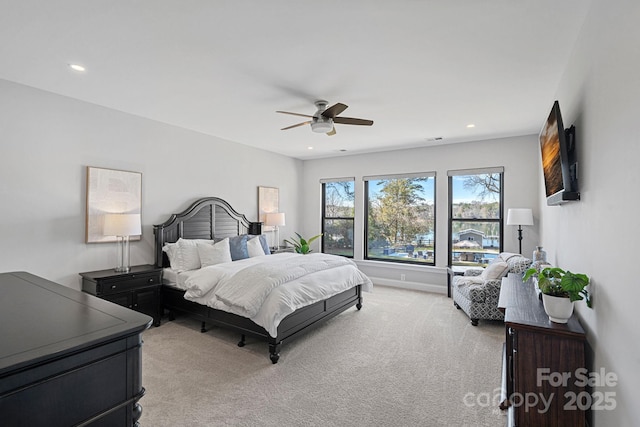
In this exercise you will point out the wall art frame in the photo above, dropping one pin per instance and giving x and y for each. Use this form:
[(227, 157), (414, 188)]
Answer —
[(268, 202), (110, 191)]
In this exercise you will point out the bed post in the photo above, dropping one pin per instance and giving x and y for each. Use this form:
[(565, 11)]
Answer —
[(255, 228), (159, 243)]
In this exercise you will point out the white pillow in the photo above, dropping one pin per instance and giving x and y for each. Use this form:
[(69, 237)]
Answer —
[(214, 254), (183, 255), (170, 249), (254, 247), (494, 270)]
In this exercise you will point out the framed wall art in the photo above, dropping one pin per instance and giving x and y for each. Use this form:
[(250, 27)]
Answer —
[(110, 191), (268, 202)]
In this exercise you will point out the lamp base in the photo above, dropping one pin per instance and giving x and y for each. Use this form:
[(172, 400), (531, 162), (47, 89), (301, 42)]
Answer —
[(123, 255), (520, 239)]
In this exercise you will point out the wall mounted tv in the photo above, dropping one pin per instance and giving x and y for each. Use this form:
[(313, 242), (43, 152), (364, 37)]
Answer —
[(559, 164)]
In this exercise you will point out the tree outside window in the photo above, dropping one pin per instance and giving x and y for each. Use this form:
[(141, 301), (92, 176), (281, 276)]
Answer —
[(338, 212), (475, 212), (400, 218)]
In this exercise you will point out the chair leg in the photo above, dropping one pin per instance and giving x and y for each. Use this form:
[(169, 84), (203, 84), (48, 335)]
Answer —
[(474, 322), (455, 304)]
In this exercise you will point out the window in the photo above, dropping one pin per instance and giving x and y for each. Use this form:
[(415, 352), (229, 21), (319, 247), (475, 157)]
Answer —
[(338, 211), (400, 218), (475, 216)]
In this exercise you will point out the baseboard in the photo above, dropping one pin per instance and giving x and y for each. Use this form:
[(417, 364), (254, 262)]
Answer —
[(416, 286)]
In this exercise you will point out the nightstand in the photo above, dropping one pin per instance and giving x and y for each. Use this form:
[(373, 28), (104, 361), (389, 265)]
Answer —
[(139, 289)]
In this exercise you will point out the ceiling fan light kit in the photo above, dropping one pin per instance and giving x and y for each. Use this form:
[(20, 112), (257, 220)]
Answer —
[(322, 126), (324, 118)]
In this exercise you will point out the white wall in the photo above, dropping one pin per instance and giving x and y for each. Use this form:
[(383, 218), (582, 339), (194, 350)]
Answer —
[(600, 93), (518, 155), (46, 142)]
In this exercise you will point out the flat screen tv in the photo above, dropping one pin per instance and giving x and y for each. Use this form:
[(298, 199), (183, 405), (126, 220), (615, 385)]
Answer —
[(559, 165)]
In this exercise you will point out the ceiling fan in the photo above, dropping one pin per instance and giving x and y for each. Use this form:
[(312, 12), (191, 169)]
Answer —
[(323, 119)]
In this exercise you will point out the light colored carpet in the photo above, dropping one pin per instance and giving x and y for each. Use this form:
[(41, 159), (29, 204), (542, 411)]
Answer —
[(407, 358)]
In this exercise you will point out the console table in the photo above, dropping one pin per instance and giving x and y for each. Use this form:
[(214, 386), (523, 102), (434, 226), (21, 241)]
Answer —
[(540, 360), (67, 358)]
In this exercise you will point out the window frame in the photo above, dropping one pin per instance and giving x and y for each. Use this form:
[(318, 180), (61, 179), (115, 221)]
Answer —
[(366, 180), (324, 218), (499, 220)]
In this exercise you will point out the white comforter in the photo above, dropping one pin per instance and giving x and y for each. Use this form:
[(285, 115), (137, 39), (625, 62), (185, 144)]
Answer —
[(268, 288)]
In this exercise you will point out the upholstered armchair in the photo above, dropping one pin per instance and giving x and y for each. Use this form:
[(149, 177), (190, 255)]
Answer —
[(477, 292)]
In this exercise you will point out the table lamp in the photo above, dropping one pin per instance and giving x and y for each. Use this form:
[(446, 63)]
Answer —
[(275, 219), (122, 226)]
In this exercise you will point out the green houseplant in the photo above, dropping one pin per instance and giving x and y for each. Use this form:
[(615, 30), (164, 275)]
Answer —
[(302, 245), (560, 289)]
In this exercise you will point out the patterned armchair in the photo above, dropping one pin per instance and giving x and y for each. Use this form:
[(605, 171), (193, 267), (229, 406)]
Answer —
[(477, 292)]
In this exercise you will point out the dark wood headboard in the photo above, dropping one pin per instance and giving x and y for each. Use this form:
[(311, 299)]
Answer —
[(206, 218)]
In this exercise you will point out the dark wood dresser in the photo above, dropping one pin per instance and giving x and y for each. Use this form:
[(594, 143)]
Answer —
[(541, 382), (67, 358)]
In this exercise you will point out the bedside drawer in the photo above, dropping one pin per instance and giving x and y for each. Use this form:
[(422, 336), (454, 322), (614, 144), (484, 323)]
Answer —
[(134, 281)]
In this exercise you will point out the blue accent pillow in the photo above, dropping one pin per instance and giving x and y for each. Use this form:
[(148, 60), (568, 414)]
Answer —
[(238, 247)]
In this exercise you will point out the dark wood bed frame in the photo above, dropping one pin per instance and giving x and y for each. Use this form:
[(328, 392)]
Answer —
[(210, 218)]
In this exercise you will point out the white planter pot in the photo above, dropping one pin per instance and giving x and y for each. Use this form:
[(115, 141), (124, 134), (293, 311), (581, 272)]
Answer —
[(559, 309)]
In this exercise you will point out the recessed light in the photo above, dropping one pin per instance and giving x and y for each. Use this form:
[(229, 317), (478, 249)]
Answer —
[(471, 125), (77, 67), (309, 148)]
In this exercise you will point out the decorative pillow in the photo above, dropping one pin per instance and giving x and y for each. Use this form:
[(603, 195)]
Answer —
[(238, 247), (506, 256), (214, 254), (254, 247), (263, 242), (494, 270), (184, 255), (518, 264), (170, 249)]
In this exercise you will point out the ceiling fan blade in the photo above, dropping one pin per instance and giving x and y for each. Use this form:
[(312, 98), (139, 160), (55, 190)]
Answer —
[(332, 131), (352, 121), (334, 110), (294, 114), (295, 126)]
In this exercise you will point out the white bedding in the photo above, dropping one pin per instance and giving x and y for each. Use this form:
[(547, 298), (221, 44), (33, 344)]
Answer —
[(283, 295), (176, 278)]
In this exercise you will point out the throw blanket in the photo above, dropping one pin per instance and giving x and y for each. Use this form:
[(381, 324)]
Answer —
[(247, 289)]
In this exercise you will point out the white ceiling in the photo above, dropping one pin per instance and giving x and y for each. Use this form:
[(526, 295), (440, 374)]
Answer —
[(418, 69)]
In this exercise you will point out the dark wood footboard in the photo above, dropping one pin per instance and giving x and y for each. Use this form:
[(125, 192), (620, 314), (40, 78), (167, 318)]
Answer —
[(295, 324)]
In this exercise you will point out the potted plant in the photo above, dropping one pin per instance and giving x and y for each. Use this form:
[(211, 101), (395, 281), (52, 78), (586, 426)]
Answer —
[(302, 245), (560, 289)]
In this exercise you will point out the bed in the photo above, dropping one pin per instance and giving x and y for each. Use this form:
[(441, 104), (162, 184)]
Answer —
[(213, 219)]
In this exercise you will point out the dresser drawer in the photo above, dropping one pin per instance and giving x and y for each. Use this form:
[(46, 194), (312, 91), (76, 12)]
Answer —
[(128, 283)]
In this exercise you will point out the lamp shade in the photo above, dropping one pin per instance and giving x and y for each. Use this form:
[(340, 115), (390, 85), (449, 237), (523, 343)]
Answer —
[(274, 219), (520, 217), (122, 225)]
